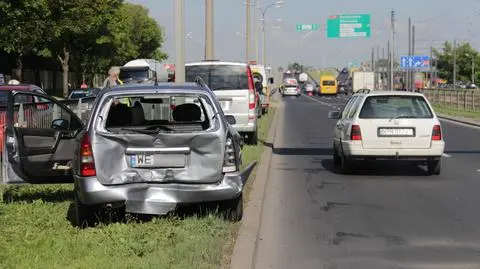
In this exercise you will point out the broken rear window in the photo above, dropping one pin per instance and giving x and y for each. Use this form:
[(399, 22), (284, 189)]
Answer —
[(151, 114)]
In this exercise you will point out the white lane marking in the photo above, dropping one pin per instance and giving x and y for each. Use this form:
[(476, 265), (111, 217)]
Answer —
[(459, 123), (332, 105), (446, 155)]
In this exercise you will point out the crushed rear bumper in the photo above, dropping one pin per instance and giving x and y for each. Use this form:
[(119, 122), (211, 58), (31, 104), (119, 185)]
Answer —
[(160, 199)]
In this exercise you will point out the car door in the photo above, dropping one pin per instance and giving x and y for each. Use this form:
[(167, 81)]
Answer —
[(350, 118), (340, 122), (40, 140)]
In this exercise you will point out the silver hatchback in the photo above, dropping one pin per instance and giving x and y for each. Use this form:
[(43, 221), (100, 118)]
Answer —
[(145, 149)]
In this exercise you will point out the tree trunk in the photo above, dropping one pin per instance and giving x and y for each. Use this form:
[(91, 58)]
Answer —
[(18, 71), (65, 67)]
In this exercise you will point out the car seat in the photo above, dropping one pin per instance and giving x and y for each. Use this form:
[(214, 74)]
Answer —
[(187, 113), (138, 114), (119, 116)]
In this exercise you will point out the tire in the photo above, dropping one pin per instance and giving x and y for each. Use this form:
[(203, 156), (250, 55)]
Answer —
[(232, 210), (252, 137), (345, 165), (85, 215), (434, 167), (337, 160)]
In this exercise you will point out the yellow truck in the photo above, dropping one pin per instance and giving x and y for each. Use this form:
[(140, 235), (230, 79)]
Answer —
[(328, 85)]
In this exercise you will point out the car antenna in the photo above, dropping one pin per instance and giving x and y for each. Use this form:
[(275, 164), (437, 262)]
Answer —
[(156, 75)]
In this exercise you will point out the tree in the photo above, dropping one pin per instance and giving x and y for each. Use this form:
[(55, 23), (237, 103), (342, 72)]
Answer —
[(464, 56), (75, 26), (134, 34), (23, 28)]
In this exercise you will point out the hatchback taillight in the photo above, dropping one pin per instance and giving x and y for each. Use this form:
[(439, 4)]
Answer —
[(229, 161), (356, 133), (251, 89), (87, 165), (436, 133)]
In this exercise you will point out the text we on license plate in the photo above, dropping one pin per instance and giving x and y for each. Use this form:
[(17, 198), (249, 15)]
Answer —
[(152, 160), (396, 132)]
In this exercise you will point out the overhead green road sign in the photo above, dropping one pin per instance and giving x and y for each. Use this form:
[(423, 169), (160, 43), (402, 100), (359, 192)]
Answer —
[(301, 27), (349, 25)]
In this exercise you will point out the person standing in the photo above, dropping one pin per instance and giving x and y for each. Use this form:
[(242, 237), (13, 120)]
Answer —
[(113, 78)]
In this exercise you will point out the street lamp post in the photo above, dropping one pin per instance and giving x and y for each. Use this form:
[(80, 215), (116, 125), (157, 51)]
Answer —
[(180, 41), (263, 11)]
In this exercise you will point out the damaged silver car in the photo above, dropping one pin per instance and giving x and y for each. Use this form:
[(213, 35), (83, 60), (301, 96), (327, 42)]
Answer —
[(145, 149)]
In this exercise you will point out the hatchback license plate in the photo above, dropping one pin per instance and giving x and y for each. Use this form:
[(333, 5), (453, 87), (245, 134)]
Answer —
[(396, 132), (158, 161)]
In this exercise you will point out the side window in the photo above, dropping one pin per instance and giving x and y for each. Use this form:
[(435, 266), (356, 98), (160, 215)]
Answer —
[(347, 107), (42, 113), (354, 108)]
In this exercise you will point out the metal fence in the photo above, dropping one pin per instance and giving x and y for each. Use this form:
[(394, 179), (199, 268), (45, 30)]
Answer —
[(459, 99)]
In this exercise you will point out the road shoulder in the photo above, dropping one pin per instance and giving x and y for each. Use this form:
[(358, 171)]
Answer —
[(245, 245)]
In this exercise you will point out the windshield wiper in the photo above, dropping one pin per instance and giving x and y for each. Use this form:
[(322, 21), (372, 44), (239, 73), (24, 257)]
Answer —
[(140, 131), (404, 117)]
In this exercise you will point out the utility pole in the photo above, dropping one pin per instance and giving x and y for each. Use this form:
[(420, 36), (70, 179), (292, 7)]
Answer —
[(208, 29), (377, 75), (392, 50), (408, 76), (431, 67), (454, 64), (389, 69), (255, 27), (180, 41), (247, 30), (412, 78)]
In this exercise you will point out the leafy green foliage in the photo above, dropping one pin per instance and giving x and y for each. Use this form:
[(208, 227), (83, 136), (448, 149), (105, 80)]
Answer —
[(465, 53)]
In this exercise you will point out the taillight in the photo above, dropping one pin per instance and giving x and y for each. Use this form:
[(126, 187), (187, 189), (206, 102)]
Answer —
[(229, 162), (436, 133), (87, 165), (251, 89), (356, 134)]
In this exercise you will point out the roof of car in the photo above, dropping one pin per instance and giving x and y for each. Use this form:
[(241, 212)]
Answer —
[(215, 63), (20, 87), (401, 93), (168, 86)]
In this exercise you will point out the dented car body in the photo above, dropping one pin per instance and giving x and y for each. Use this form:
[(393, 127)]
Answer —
[(171, 146)]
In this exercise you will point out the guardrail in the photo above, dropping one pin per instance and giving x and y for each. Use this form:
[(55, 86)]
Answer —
[(460, 99)]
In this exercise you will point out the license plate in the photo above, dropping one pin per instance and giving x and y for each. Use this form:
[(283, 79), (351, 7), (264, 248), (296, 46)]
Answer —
[(157, 161), (396, 132)]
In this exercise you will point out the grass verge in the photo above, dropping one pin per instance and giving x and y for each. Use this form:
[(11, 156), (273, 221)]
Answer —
[(35, 232), (456, 112)]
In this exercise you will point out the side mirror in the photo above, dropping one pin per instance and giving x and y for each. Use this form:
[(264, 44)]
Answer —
[(270, 80), (61, 124), (231, 119), (259, 86), (335, 115)]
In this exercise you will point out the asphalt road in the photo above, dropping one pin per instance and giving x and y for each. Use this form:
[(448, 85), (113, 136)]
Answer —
[(387, 216)]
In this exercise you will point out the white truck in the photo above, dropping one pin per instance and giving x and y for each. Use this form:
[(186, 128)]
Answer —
[(363, 80), (143, 70)]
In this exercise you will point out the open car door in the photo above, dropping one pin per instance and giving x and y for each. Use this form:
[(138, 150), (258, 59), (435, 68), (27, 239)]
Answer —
[(40, 140)]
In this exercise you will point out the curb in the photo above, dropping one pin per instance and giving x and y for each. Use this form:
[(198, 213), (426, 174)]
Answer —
[(459, 120), (246, 242)]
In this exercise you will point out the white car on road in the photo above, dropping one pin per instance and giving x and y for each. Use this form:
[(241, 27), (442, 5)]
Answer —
[(387, 125)]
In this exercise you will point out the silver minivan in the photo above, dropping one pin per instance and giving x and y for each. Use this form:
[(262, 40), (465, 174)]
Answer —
[(234, 86)]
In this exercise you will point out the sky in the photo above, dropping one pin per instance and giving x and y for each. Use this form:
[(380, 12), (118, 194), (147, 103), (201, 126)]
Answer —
[(435, 22)]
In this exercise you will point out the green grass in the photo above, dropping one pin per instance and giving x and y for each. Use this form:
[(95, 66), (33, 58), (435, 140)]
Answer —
[(456, 112), (35, 232)]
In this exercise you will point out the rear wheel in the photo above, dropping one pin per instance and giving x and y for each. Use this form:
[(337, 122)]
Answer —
[(232, 210), (337, 160), (85, 215), (345, 165), (434, 167), (252, 137)]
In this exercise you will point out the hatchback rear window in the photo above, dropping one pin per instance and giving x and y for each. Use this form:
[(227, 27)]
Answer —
[(219, 77), (152, 114), (391, 106)]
